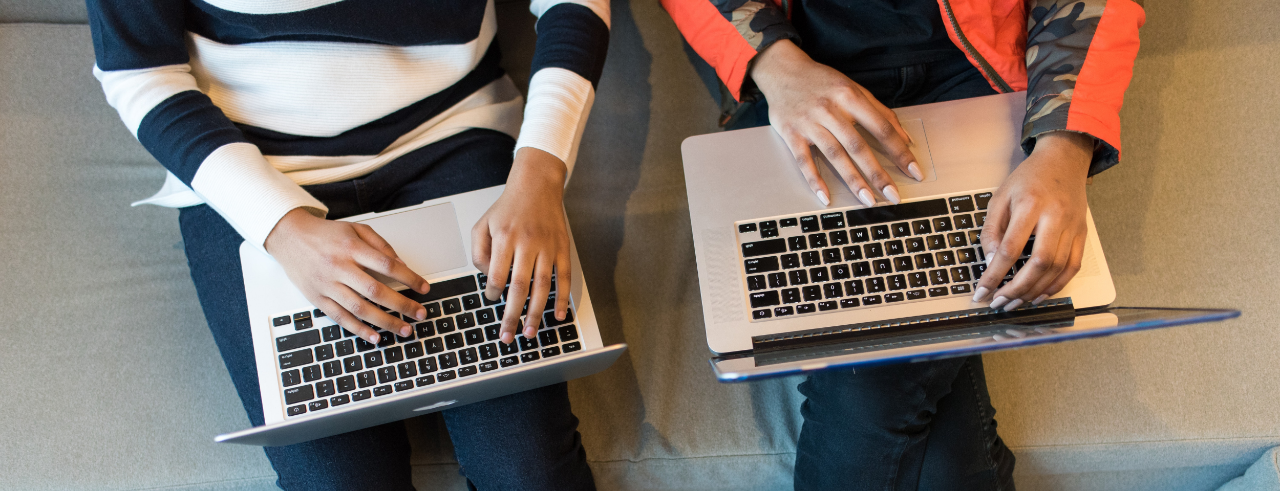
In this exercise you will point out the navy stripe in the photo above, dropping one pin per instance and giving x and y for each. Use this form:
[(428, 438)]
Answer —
[(390, 22), (372, 138), (183, 130), (137, 34), (572, 37)]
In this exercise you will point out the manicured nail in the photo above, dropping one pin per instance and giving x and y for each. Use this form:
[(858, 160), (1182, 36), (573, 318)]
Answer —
[(866, 197), (891, 194), (915, 171), (1013, 305), (980, 293), (406, 331), (822, 196), (420, 314), (373, 338), (1016, 333), (998, 302), (1039, 299)]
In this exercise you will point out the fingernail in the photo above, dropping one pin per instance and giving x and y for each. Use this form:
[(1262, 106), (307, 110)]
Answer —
[(405, 331), (980, 293), (373, 338), (822, 196), (866, 197), (507, 338), (988, 259), (891, 194), (560, 315), (1039, 299), (915, 171), (421, 314), (998, 302), (1013, 305)]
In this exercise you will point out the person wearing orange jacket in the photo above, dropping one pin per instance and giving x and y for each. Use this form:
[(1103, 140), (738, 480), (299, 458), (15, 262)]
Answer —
[(813, 69)]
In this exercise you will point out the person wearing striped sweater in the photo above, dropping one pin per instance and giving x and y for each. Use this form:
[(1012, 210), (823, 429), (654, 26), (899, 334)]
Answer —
[(276, 117)]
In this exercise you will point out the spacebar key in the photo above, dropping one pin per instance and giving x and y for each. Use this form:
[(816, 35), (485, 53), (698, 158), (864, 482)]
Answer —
[(445, 289), (764, 247), (897, 213)]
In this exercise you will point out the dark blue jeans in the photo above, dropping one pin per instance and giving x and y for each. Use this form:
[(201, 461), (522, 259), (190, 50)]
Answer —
[(527, 440), (923, 425)]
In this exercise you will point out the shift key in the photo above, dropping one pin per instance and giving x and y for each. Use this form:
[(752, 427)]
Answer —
[(299, 340), (764, 247)]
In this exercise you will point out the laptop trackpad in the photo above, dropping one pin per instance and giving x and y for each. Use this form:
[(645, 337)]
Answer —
[(427, 239)]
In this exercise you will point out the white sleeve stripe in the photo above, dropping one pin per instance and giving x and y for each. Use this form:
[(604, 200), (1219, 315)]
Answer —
[(556, 111), (600, 7), (134, 93), (250, 194)]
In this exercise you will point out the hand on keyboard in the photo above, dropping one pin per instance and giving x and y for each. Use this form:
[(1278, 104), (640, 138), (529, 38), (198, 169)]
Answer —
[(1044, 197), (327, 260), (523, 239), (811, 103)]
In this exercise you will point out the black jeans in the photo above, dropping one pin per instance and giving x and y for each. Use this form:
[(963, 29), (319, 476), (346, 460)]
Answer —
[(527, 440), (926, 425)]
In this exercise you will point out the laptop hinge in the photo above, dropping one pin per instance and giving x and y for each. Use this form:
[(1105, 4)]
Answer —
[(1052, 310)]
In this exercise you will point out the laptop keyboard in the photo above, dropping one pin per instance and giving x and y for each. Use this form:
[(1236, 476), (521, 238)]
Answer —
[(322, 366), (817, 262)]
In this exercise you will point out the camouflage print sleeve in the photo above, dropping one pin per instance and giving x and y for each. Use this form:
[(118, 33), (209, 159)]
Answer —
[(1059, 34), (760, 22)]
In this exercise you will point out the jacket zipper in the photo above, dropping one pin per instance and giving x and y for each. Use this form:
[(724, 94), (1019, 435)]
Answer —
[(968, 48)]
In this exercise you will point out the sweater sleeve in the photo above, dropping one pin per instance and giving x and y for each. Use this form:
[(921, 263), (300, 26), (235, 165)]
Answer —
[(143, 65), (1080, 56), (573, 37), (729, 33)]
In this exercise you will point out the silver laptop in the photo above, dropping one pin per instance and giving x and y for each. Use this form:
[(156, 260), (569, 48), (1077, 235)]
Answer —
[(789, 286), (318, 380)]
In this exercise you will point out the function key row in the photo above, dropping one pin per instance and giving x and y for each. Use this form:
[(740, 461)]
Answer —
[(873, 215)]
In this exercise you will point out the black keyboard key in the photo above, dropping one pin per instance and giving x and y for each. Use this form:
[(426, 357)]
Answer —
[(872, 250), (746, 227), (875, 285), (446, 376), (852, 253), (790, 261), (915, 244), (832, 290), (453, 341), (444, 289), (372, 359), (902, 263), (404, 385), (761, 314), (761, 264), (818, 241), (961, 288), (787, 222), (352, 364), (797, 243), (791, 295), (811, 258), (828, 305), (918, 279), (961, 204), (924, 261), (819, 275), (474, 336), (331, 333), (764, 248), (296, 359), (966, 256), (975, 237), (809, 224), (882, 266), (433, 345), (527, 344), (465, 321), (550, 352), (302, 325), (362, 345), (956, 239), (488, 366), (811, 293), (946, 258), (960, 275), (880, 232), (325, 388), (963, 221), (385, 339), (980, 219), (921, 227), (508, 348), (936, 242), (332, 368), (425, 329), (486, 317), (902, 229), (294, 395), (915, 295), (798, 277), (832, 220), (777, 280), (859, 235), (756, 282), (571, 347), (471, 302), (295, 341), (839, 237), (849, 303), (280, 321), (977, 270), (346, 383), (407, 369), (1026, 249), (509, 361), (783, 311), (448, 360), (894, 247), (394, 354), (451, 306), (896, 282), (383, 390), (830, 256), (317, 405), (291, 377), (427, 365), (938, 291), (841, 272), (853, 287), (568, 333), (981, 200), (433, 310), (302, 316), (896, 213), (806, 308), (468, 356), (872, 300), (549, 319), (361, 395), (530, 356), (488, 351), (942, 224), (939, 277), (425, 380), (548, 337), (339, 400), (861, 269), (769, 225), (413, 350), (893, 297)]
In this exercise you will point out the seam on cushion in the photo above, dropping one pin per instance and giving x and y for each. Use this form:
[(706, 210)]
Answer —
[(271, 479), (1140, 442)]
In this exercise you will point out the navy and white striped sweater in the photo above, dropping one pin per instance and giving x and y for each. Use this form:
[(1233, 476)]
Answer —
[(244, 101)]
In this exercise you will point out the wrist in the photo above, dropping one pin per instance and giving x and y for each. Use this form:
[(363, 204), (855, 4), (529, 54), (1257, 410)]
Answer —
[(1067, 147), (534, 168), (287, 225), (780, 59)]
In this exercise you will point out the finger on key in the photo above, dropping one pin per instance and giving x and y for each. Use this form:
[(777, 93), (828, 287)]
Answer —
[(1001, 258), (346, 320), (1040, 264), (365, 311), (374, 290), (564, 283), (1061, 259), (541, 289), (799, 146), (380, 257), (835, 141), (499, 270), (518, 295), (1073, 267)]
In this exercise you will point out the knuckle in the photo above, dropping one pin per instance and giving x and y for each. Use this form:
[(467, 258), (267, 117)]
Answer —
[(370, 288)]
